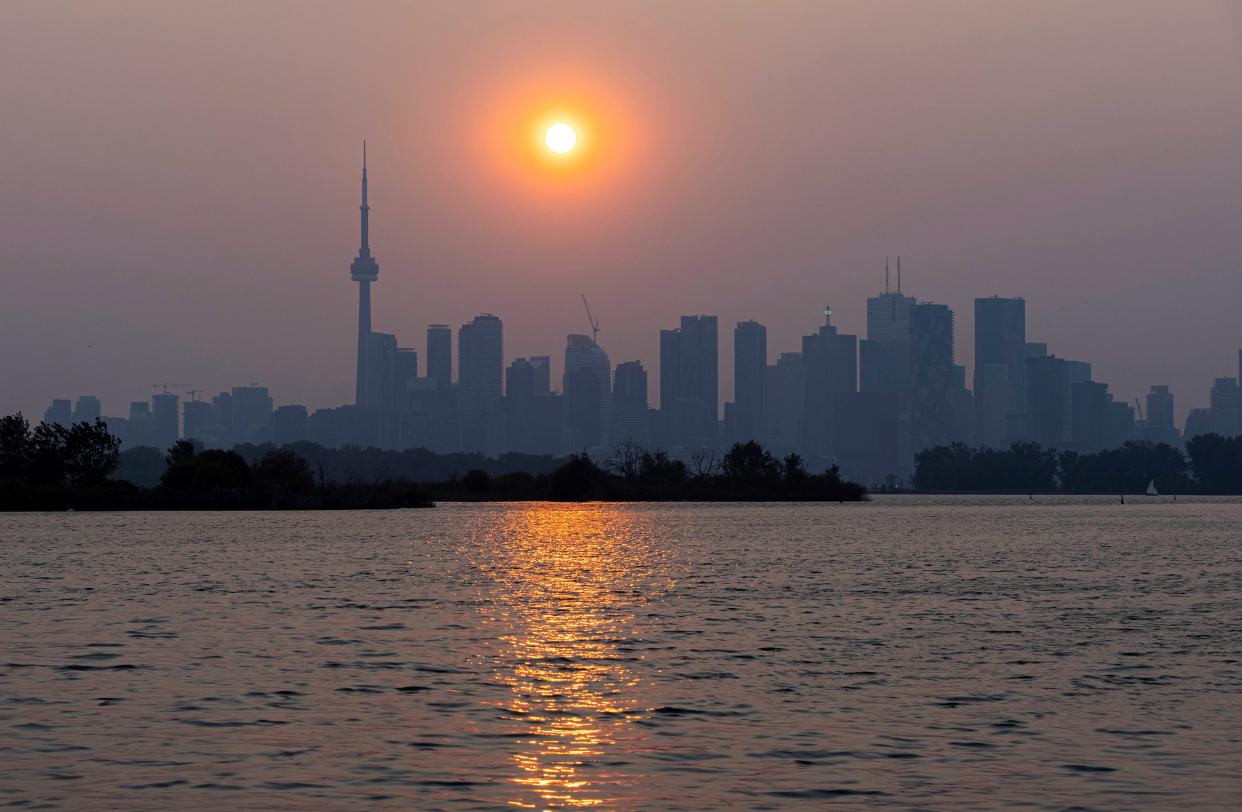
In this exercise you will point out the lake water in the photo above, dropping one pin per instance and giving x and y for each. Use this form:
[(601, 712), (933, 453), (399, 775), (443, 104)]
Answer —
[(914, 653)]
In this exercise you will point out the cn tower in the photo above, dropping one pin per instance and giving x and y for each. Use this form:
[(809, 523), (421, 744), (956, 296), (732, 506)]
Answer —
[(364, 270)]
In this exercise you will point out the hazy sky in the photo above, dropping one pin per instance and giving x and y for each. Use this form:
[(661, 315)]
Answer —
[(179, 180)]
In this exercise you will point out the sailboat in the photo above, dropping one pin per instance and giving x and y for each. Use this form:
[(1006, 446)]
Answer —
[(1151, 488)]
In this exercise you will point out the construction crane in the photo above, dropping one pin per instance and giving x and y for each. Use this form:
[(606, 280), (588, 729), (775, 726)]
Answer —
[(591, 320), (1139, 408), (194, 393), (165, 386)]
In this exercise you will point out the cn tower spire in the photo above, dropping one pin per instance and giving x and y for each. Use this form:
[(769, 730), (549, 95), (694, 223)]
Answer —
[(365, 248), (364, 270)]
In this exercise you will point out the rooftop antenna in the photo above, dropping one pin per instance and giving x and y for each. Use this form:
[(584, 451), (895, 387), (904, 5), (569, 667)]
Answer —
[(594, 324), (886, 274)]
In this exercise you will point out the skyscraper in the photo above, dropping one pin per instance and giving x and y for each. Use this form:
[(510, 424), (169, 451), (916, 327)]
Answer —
[(166, 409), (364, 270), (830, 359), (630, 415), (379, 370), (588, 394), (750, 363), (689, 383), (440, 355), (1000, 339), (289, 425), (885, 355), (480, 353), (786, 403), (87, 409), (932, 376), (1226, 399), (1048, 407), (252, 412), (1160, 428), (200, 422), (59, 413)]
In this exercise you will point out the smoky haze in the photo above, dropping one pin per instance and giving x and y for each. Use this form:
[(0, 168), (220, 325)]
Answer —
[(179, 183)]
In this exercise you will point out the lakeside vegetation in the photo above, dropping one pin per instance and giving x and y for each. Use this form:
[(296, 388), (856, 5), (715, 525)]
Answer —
[(1211, 464), (50, 467)]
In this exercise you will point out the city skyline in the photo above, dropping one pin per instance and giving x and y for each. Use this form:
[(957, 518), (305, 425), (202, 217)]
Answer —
[(1100, 187), (869, 405)]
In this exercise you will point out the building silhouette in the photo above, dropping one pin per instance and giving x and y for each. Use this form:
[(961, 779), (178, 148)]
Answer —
[(440, 354), (689, 384), (786, 396), (87, 409), (631, 416), (933, 377), (1000, 351), (748, 417), (587, 388), (166, 415), (480, 354), (60, 413), (830, 361)]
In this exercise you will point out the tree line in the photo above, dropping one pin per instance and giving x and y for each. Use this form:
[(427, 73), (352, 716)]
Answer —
[(53, 467), (50, 467), (1211, 464), (746, 473)]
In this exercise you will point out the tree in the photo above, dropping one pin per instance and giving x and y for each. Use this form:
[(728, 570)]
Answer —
[(204, 471), (1217, 462), (749, 463), (704, 463), (90, 453), (575, 479), (15, 447), (476, 481), (283, 471), (626, 460), (793, 469), (47, 454)]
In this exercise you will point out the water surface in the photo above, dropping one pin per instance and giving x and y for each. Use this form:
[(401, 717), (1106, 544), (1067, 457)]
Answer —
[(913, 653)]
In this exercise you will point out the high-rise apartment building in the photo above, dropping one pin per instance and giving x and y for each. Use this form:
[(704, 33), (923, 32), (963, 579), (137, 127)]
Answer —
[(59, 413), (87, 409), (440, 354), (166, 412), (750, 368), (480, 353), (1000, 340), (587, 390), (631, 417), (689, 383)]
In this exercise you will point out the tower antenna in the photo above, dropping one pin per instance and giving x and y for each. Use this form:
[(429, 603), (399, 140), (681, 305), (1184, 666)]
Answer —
[(899, 273), (886, 274)]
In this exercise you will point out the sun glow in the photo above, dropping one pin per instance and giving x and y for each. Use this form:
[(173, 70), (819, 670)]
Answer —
[(560, 137)]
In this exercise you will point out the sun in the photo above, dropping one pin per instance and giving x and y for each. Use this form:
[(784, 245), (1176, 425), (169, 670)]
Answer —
[(560, 137)]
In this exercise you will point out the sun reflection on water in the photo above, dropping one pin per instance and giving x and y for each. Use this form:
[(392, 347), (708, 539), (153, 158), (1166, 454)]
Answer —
[(568, 581)]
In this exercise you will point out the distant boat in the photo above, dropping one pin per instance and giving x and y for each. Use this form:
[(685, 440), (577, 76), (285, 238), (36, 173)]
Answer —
[(1151, 488)]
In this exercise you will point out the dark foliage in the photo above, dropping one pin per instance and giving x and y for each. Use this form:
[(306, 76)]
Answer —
[(747, 473), (57, 468), (51, 455), (1030, 468), (1217, 463)]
